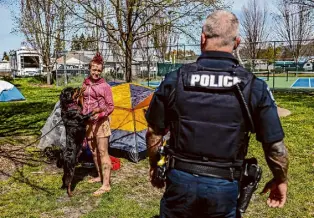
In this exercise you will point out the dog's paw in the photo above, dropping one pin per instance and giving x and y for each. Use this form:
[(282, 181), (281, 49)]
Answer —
[(59, 163)]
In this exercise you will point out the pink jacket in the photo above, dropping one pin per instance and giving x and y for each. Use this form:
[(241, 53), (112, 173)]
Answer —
[(97, 94)]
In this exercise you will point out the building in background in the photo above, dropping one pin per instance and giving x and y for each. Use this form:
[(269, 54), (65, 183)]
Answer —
[(26, 62)]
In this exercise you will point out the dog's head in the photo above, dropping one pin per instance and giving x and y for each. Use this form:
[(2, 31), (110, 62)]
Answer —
[(69, 95)]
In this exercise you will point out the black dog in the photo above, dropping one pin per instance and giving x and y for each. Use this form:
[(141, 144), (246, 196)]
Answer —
[(75, 127)]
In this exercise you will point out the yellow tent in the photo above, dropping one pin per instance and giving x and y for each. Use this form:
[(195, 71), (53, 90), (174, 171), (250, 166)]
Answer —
[(128, 123)]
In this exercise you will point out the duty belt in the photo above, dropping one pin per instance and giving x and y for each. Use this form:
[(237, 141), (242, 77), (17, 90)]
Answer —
[(204, 170)]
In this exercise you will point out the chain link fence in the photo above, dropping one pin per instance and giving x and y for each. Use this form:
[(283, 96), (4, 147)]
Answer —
[(283, 65)]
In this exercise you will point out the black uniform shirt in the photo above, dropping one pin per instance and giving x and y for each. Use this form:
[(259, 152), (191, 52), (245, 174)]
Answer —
[(264, 110)]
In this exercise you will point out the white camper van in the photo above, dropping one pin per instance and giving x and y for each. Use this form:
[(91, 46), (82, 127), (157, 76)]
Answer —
[(26, 62)]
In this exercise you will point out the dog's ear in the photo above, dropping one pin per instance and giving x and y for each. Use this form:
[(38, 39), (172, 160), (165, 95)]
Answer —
[(66, 95)]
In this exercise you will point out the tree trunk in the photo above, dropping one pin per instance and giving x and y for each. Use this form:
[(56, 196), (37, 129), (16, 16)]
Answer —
[(48, 78), (47, 64), (128, 61)]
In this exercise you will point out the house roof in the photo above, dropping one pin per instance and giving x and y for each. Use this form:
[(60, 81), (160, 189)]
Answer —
[(75, 58)]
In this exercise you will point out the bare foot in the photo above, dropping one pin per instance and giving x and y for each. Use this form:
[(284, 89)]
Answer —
[(94, 180), (102, 190), (69, 191)]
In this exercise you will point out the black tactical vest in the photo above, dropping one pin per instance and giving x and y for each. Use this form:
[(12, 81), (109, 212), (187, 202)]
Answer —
[(208, 117)]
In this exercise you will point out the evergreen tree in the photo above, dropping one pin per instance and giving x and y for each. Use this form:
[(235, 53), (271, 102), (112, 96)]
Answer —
[(82, 42), (73, 42), (86, 43), (5, 57), (75, 45), (93, 43), (58, 45)]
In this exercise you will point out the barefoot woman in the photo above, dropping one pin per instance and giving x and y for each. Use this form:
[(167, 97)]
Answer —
[(98, 98)]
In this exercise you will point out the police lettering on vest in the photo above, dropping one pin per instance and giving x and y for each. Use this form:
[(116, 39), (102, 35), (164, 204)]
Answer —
[(213, 81)]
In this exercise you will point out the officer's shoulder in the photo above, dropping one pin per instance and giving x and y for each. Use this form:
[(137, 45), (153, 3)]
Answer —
[(168, 83), (258, 84), (170, 78), (245, 71), (172, 75)]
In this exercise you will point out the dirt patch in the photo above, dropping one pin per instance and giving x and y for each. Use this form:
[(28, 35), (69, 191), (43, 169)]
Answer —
[(13, 155), (74, 212), (141, 190), (282, 112)]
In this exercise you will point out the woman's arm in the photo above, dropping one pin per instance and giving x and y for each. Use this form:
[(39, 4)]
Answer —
[(109, 100), (108, 105)]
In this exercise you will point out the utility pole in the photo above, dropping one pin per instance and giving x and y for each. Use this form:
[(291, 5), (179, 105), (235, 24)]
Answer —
[(65, 67), (274, 67), (64, 51), (147, 53)]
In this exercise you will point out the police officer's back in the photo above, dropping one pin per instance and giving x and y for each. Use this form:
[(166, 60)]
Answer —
[(210, 107)]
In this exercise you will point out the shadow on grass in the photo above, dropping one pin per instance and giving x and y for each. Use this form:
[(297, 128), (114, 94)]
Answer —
[(295, 98), (24, 118), (53, 154), (16, 157), (13, 159), (81, 173)]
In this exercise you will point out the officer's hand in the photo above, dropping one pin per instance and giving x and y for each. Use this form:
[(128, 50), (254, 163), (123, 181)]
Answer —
[(155, 183), (278, 193)]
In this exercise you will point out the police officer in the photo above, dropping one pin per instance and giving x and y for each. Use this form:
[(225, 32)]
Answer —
[(210, 108)]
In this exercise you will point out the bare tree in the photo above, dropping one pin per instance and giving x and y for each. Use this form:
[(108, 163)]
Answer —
[(158, 43), (308, 3), (128, 21), (164, 36), (38, 21), (254, 28), (293, 24)]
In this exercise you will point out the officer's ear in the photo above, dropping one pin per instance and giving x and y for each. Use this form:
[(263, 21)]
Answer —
[(236, 42), (203, 40)]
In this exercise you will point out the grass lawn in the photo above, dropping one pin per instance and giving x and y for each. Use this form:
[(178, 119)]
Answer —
[(30, 183)]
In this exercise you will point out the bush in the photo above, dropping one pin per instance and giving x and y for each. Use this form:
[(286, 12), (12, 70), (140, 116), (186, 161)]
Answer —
[(7, 78)]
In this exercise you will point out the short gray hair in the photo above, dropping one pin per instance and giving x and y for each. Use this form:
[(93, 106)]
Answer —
[(222, 25)]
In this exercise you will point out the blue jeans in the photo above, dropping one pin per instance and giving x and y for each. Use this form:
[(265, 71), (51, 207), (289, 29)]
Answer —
[(189, 195)]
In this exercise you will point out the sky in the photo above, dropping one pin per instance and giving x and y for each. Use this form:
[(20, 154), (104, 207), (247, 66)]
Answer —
[(12, 41), (8, 40), (238, 4)]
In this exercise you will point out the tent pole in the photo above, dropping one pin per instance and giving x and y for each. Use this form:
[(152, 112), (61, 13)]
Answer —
[(135, 135)]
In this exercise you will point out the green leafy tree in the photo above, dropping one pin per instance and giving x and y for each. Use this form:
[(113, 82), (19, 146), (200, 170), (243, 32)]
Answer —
[(269, 54)]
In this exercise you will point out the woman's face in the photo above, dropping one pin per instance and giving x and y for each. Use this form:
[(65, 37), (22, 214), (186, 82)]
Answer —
[(95, 71)]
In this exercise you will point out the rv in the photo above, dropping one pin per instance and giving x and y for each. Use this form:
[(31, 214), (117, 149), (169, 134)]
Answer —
[(26, 62)]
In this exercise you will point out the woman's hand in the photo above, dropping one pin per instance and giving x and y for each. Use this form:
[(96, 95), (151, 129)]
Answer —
[(97, 110), (97, 113)]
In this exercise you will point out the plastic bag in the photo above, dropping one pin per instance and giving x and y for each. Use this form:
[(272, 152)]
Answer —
[(57, 136)]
